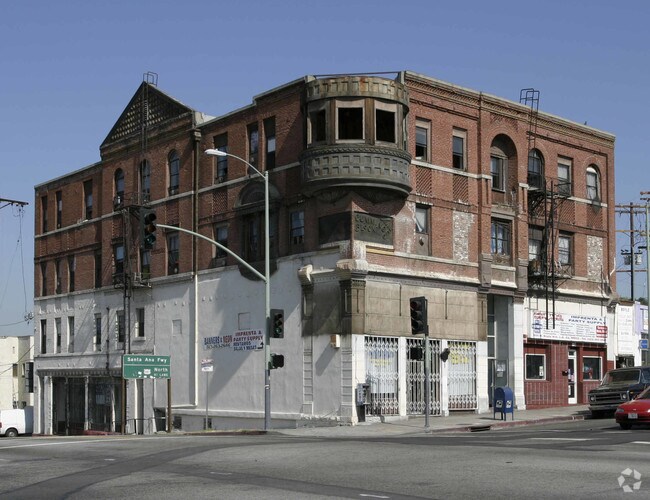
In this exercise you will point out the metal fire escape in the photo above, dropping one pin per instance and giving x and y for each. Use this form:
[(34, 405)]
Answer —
[(545, 198)]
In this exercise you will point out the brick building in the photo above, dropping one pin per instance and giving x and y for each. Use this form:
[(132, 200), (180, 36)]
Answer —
[(381, 188)]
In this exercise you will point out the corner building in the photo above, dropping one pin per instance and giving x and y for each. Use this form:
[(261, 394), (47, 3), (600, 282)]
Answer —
[(381, 188)]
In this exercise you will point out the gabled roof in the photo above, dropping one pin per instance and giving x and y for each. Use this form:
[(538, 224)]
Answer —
[(149, 107)]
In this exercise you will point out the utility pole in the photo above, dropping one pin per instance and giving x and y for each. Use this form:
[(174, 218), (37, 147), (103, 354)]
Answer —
[(631, 210)]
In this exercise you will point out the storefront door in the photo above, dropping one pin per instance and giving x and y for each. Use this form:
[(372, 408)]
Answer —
[(572, 378)]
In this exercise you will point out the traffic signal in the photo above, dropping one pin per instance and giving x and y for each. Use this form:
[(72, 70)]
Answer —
[(416, 353), (418, 307), (277, 361), (277, 323), (147, 228)]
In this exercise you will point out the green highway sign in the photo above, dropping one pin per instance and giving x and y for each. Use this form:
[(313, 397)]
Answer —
[(135, 366)]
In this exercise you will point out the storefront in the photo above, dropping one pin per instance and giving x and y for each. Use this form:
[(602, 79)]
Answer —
[(564, 358)]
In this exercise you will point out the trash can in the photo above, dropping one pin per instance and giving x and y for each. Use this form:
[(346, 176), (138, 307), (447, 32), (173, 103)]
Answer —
[(503, 402), (363, 395)]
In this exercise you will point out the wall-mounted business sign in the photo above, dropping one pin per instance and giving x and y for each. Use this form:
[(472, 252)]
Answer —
[(243, 340), (135, 366), (568, 327)]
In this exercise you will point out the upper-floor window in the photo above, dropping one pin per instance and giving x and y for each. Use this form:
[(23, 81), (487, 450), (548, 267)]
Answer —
[(70, 333), (145, 181), (59, 209), (72, 264), (593, 183), (349, 120), (88, 200), (57, 275), (564, 176), (297, 235), (145, 263), (317, 131), (44, 213), (119, 188), (253, 143), (98, 269), (174, 163), (422, 219), (43, 278), (97, 340), (459, 139), (121, 326), (535, 240), (57, 333), (173, 253), (500, 240), (564, 250), (221, 237), (498, 172), (221, 162), (269, 134), (385, 122), (118, 254), (43, 336), (535, 169), (422, 138), (139, 330)]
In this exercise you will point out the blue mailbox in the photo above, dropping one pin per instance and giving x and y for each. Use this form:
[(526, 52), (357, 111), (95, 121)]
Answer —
[(504, 402)]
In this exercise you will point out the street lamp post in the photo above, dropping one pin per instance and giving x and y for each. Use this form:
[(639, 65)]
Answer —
[(267, 286)]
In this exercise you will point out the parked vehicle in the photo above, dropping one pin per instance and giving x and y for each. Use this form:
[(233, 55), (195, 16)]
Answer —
[(634, 412), (618, 386), (15, 422)]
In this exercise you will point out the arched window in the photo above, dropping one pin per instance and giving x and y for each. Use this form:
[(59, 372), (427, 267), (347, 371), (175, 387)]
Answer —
[(119, 188), (174, 172), (145, 181), (535, 169), (593, 183)]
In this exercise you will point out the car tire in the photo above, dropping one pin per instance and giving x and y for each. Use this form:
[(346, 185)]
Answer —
[(625, 426), (11, 433)]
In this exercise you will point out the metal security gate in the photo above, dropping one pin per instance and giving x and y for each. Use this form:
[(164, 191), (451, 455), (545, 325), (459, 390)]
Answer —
[(462, 375), (382, 375), (415, 401)]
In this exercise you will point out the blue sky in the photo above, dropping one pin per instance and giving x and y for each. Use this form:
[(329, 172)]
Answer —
[(69, 68)]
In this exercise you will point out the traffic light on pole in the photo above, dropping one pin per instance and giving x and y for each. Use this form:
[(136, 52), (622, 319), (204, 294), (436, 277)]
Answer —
[(277, 323), (418, 307), (277, 361), (147, 228)]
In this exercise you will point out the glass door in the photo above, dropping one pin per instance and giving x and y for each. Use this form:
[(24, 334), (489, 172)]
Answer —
[(572, 377)]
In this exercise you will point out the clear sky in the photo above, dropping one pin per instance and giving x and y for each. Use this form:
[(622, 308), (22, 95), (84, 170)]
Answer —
[(69, 68)]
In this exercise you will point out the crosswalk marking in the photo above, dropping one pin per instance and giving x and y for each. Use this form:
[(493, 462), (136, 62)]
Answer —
[(561, 439)]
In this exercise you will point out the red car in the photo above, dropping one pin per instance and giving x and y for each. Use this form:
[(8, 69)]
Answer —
[(633, 412)]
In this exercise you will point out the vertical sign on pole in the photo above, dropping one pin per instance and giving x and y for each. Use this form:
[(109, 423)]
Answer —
[(206, 367)]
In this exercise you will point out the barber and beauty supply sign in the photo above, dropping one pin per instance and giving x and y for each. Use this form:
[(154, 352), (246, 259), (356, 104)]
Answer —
[(243, 340), (568, 327)]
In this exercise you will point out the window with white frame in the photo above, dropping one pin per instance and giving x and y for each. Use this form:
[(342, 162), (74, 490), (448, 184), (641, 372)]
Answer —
[(498, 172), (564, 176), (593, 184), (422, 219), (139, 330), (173, 253), (459, 139), (97, 339), (58, 333), (535, 169), (500, 240), (535, 367), (70, 333), (592, 368), (564, 250), (422, 138)]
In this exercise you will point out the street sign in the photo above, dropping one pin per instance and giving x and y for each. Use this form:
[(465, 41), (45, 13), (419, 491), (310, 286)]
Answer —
[(206, 365), (643, 344), (137, 366)]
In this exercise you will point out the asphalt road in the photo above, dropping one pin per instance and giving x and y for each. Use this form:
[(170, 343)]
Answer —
[(583, 459)]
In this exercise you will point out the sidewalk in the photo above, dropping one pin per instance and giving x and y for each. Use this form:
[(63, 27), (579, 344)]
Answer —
[(455, 422)]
